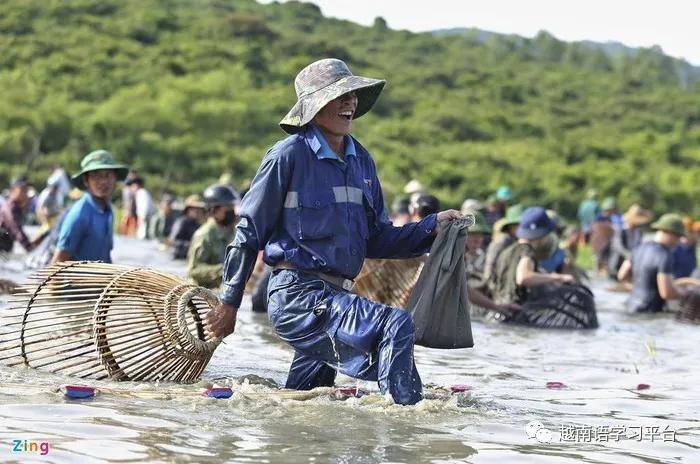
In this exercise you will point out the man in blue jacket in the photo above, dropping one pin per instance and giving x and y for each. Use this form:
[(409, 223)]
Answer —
[(316, 208)]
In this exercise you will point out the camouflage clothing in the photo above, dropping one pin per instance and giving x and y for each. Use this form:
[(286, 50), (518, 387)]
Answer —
[(497, 245), (502, 284), (206, 254), (161, 225), (323, 81)]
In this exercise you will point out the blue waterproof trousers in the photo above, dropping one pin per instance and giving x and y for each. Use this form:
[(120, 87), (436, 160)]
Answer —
[(333, 330)]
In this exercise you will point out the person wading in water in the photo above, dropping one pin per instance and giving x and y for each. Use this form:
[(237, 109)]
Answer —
[(316, 208)]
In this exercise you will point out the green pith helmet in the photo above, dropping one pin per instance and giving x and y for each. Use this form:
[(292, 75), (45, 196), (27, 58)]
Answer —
[(608, 203), (512, 215), (96, 160), (670, 222), (480, 226), (503, 193)]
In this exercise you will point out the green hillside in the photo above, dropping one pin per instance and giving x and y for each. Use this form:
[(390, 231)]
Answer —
[(184, 90)]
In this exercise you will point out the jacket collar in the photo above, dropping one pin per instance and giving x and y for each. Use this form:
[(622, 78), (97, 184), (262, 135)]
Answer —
[(318, 144)]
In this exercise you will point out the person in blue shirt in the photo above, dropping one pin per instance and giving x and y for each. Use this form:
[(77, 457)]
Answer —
[(588, 210), (685, 252), (87, 230), (317, 210), (651, 268)]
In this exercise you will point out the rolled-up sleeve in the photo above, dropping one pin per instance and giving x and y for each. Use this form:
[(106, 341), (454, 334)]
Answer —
[(260, 213)]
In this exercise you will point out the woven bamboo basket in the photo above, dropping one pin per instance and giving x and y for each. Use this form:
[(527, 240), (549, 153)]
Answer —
[(690, 304), (389, 281), (95, 320)]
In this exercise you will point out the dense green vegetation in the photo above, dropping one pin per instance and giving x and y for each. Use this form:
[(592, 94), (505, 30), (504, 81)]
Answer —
[(185, 90)]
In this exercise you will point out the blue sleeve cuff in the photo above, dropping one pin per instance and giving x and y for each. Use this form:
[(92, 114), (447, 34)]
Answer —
[(428, 224), (231, 295)]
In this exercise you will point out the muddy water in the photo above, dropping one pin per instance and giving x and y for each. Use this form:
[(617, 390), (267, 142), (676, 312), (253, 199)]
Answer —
[(507, 370)]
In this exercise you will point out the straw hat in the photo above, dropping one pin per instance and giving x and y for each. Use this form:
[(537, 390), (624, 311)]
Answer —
[(637, 216), (193, 201), (323, 81)]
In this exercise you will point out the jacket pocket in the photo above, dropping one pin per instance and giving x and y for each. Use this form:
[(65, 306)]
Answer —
[(316, 215)]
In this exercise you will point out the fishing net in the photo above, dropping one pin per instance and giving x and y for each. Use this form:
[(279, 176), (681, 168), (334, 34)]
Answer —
[(560, 306), (690, 307), (95, 320)]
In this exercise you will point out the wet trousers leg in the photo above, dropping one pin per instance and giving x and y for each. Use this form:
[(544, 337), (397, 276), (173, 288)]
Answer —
[(333, 330)]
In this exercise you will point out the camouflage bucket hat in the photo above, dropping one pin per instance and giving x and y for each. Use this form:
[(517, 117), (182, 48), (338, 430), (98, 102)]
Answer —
[(96, 160), (323, 81)]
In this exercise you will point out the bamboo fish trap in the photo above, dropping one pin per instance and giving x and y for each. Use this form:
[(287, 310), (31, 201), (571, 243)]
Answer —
[(95, 320), (389, 281)]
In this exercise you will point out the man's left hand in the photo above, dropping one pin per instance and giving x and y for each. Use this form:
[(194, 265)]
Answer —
[(446, 216)]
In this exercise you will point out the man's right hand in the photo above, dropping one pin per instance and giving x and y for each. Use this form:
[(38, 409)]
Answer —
[(222, 320)]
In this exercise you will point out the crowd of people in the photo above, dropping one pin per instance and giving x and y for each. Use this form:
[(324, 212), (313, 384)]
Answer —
[(315, 210), (511, 250), (76, 218)]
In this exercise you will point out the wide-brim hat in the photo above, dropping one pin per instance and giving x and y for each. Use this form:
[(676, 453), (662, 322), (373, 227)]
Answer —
[(193, 201), (535, 224), (96, 160), (323, 81), (670, 222), (637, 216)]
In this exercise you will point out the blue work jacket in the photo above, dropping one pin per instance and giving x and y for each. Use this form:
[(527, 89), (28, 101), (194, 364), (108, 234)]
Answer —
[(317, 213)]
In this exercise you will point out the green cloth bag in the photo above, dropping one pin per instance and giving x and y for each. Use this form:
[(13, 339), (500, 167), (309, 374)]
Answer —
[(439, 303)]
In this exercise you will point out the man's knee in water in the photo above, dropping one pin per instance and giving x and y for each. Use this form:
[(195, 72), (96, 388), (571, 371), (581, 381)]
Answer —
[(401, 322)]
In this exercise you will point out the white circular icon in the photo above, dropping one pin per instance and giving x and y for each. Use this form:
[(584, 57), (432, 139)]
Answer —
[(532, 427), (535, 429), (544, 436)]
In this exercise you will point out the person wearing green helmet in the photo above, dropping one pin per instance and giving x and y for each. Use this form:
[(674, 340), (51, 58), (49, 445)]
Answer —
[(475, 255), (588, 210), (503, 236), (602, 232), (651, 267), (87, 230), (504, 198)]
